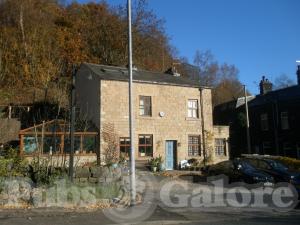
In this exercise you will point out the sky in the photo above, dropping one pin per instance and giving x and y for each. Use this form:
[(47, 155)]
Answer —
[(260, 37)]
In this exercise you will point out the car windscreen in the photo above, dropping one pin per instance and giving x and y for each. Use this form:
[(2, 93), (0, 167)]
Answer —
[(278, 165), (246, 166)]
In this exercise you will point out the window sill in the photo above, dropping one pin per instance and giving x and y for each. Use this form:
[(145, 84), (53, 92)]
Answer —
[(145, 117), (192, 119), (59, 154)]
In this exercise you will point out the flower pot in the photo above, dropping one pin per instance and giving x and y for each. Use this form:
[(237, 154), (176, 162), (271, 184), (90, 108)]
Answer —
[(114, 165), (161, 167), (154, 169)]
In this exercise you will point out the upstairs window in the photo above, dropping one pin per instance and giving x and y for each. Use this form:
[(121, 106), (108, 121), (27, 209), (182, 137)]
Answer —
[(194, 146), (264, 122), (220, 147), (145, 107), (284, 120), (193, 108)]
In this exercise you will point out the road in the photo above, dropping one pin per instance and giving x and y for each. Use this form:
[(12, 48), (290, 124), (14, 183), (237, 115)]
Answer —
[(59, 217)]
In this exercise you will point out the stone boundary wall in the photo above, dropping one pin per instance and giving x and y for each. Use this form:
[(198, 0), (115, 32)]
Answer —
[(92, 187)]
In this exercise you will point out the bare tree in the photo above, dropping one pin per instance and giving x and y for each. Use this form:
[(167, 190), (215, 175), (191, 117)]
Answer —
[(283, 81)]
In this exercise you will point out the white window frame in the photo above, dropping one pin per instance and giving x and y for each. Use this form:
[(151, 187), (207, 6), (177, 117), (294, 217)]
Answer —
[(193, 108), (194, 145), (220, 147), (145, 110)]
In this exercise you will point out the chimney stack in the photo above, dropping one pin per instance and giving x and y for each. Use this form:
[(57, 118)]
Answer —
[(298, 74), (265, 86), (172, 70)]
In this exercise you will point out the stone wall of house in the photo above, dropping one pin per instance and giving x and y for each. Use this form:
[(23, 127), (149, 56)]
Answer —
[(171, 100), (221, 132), (9, 130)]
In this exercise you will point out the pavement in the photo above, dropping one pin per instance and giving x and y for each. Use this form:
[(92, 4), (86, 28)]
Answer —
[(160, 215)]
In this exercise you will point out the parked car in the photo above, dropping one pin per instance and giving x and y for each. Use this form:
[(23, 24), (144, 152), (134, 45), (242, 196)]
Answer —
[(278, 170), (239, 170)]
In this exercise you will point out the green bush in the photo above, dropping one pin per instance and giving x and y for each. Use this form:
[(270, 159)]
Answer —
[(42, 173), (11, 164)]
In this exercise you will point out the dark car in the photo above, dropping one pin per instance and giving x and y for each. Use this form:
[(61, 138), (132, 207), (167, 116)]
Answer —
[(240, 171), (278, 170)]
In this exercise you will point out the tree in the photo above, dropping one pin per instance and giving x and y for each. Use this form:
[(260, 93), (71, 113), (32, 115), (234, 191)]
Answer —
[(40, 40), (207, 66), (208, 72), (283, 81), (228, 86)]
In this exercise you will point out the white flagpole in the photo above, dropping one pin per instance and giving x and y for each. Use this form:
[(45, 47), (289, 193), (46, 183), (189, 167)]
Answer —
[(131, 113)]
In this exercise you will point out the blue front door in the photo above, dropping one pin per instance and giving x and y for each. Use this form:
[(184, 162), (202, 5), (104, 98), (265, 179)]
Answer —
[(170, 155)]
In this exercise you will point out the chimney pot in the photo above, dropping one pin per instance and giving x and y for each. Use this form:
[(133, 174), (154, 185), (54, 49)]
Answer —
[(265, 86), (172, 70)]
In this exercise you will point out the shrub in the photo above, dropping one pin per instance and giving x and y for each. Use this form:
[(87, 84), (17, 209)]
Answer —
[(11, 164), (156, 162), (43, 173), (111, 152)]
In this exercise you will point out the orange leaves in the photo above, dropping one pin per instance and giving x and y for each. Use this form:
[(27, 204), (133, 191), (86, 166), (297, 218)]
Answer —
[(40, 39)]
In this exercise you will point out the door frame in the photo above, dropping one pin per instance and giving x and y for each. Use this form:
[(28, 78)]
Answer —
[(174, 154)]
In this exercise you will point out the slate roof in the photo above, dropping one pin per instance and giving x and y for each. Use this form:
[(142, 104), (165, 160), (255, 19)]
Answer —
[(121, 74), (284, 94)]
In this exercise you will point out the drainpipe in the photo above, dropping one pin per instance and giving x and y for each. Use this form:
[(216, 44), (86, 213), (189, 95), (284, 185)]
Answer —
[(72, 126), (275, 124), (202, 125), (247, 121)]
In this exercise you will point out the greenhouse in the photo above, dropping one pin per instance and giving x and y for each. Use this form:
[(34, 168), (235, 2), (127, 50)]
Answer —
[(53, 138)]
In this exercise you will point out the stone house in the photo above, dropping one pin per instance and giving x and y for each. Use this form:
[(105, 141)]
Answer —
[(167, 113), (274, 121)]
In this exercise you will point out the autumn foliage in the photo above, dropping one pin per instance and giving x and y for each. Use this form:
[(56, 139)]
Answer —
[(40, 40)]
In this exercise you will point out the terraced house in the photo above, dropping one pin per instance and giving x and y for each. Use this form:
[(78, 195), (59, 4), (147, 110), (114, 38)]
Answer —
[(172, 114)]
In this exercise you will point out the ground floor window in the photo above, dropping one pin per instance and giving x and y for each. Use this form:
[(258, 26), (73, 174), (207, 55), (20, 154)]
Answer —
[(146, 145), (194, 145), (266, 147), (220, 147), (289, 150), (125, 145)]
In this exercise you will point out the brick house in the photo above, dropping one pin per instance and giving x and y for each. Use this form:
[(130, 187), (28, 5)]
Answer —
[(167, 113)]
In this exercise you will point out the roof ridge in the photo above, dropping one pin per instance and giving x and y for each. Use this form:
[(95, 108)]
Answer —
[(95, 64), (144, 75)]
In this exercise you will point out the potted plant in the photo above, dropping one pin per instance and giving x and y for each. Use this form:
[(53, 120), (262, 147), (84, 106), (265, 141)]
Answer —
[(153, 164), (160, 163), (156, 164)]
